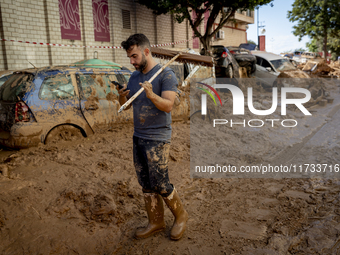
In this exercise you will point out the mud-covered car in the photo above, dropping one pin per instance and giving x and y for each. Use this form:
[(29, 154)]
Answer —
[(269, 66), (4, 76), (248, 46), (45, 104), (225, 64), (244, 58), (306, 56)]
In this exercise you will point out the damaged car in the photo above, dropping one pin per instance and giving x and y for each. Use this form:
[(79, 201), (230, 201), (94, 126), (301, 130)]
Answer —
[(244, 58), (225, 64), (269, 66), (4, 76), (42, 105)]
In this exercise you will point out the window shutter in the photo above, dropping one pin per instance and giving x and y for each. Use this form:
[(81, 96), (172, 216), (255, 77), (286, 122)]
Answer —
[(126, 19)]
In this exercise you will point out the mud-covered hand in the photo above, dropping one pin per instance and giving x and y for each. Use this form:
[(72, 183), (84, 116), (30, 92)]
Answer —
[(123, 92), (148, 89), (164, 102), (123, 95)]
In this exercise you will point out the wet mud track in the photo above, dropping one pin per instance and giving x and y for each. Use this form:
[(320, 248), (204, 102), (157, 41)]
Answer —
[(83, 197)]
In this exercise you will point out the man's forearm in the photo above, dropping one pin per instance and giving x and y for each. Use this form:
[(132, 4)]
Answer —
[(161, 103)]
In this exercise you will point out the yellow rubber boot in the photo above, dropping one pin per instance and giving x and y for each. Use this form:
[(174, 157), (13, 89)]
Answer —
[(181, 216), (155, 210)]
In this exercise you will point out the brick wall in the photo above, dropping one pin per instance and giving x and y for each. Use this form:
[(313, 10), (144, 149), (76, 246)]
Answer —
[(234, 35), (164, 34), (181, 34), (39, 21), (22, 22)]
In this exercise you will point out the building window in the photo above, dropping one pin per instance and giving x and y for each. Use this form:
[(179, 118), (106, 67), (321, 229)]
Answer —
[(126, 19), (239, 11), (249, 13)]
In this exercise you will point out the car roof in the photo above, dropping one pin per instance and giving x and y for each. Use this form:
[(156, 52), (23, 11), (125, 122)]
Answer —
[(86, 64), (310, 53), (218, 46), (237, 48), (267, 55), (69, 68), (5, 72), (248, 46)]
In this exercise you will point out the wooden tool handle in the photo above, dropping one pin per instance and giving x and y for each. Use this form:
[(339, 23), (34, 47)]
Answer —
[(127, 103)]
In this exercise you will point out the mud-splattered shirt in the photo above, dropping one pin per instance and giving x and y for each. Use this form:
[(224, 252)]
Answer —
[(150, 122)]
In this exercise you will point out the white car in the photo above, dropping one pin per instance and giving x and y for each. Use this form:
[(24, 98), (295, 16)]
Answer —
[(269, 66), (306, 56)]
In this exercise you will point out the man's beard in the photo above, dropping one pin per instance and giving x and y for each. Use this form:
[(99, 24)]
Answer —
[(142, 65)]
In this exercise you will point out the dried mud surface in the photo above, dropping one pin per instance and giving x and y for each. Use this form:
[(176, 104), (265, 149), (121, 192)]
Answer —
[(82, 197)]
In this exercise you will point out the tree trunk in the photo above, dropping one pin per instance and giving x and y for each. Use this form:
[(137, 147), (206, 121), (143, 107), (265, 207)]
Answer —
[(206, 45), (325, 43)]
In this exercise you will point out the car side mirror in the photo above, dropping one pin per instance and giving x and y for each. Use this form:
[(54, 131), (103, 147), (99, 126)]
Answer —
[(268, 69)]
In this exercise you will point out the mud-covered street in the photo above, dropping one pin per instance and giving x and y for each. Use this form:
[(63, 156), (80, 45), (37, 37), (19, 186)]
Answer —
[(82, 197), (248, 91)]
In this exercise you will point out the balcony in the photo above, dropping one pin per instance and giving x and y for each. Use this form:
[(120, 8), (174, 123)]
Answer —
[(245, 17)]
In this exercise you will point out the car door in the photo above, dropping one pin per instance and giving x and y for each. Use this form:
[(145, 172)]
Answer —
[(262, 73), (56, 102), (99, 100)]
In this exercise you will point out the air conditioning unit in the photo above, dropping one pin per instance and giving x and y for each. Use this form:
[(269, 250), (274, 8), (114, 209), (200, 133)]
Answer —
[(220, 34)]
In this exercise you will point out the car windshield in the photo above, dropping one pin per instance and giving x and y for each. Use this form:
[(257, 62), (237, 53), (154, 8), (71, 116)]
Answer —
[(238, 51), (282, 64), (15, 87), (4, 79), (218, 50)]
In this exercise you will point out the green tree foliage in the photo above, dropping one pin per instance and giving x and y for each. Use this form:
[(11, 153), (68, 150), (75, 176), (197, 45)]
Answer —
[(333, 44), (316, 19), (251, 42), (300, 49), (219, 11), (314, 45)]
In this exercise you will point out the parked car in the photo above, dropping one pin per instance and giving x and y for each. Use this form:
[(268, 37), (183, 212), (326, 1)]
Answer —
[(244, 58), (297, 56), (306, 56), (225, 64), (269, 66), (40, 105), (248, 46), (4, 76), (287, 55)]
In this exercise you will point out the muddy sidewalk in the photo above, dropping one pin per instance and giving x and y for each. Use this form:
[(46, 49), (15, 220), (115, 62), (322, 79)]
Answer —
[(83, 198)]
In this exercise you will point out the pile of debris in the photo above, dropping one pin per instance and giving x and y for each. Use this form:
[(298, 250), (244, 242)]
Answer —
[(318, 67), (336, 67)]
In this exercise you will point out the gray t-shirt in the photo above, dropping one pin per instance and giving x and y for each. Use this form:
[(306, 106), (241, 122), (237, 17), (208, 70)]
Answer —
[(150, 122)]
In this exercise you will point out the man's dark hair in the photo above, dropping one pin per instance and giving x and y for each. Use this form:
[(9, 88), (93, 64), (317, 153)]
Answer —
[(137, 39)]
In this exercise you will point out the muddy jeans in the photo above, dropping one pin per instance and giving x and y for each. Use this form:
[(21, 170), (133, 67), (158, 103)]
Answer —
[(151, 163)]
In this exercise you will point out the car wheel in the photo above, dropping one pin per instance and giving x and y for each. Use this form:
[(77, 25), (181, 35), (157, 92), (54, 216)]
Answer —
[(63, 133), (229, 72)]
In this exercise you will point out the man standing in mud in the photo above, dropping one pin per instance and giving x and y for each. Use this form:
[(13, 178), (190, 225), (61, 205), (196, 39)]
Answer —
[(152, 135)]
